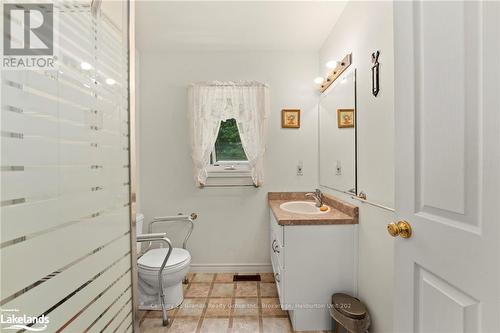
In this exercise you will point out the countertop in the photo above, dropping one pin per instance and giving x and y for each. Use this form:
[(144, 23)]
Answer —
[(340, 212)]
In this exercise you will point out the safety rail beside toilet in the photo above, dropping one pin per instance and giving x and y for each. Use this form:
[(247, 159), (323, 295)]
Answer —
[(176, 218), (159, 237)]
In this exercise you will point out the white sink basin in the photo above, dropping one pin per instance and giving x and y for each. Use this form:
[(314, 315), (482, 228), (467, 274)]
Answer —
[(302, 207)]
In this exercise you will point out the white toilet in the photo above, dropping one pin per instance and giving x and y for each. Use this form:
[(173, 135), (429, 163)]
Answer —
[(174, 272)]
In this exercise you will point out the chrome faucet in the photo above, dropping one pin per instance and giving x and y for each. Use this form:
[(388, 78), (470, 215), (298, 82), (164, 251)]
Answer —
[(317, 196)]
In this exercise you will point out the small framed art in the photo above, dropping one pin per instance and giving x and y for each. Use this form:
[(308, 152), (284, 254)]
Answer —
[(290, 118), (345, 118)]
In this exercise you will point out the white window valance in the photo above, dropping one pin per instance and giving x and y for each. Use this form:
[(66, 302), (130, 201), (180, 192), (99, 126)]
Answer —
[(212, 102)]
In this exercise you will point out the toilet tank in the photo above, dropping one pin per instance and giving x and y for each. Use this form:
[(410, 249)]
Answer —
[(138, 228)]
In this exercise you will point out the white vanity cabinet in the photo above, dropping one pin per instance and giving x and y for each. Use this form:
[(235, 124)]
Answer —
[(310, 263)]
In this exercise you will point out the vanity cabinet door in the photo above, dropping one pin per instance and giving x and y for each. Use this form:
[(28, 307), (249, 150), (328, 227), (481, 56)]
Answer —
[(276, 238), (277, 249), (277, 257), (277, 229), (279, 275)]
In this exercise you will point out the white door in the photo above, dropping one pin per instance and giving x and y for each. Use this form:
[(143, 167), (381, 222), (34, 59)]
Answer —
[(447, 74)]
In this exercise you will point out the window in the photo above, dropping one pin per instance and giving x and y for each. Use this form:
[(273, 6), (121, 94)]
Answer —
[(215, 111), (228, 160), (228, 148)]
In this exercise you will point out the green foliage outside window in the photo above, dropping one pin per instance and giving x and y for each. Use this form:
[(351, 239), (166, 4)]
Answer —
[(228, 145)]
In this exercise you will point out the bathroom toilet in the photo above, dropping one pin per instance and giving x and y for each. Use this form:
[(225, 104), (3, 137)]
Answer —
[(174, 272)]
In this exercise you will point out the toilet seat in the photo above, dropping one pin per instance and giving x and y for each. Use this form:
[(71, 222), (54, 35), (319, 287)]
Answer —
[(152, 260)]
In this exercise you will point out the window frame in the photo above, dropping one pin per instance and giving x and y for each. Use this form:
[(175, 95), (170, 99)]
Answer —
[(235, 168)]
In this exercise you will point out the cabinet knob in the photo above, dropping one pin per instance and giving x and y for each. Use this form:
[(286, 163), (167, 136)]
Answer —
[(275, 246)]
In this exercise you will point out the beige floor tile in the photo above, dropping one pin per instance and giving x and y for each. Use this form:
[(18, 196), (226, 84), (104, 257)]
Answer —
[(246, 307), (266, 277), (268, 290), (198, 290), (222, 290), (246, 289), (203, 277), (272, 307), (224, 277), (276, 325), (183, 325), (245, 325), (153, 325), (228, 303), (219, 307), (214, 325), (191, 307), (158, 313)]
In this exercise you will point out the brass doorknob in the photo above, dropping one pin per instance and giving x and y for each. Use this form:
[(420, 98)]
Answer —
[(402, 228)]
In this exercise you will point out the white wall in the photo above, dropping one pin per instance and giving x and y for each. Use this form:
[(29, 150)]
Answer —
[(365, 27), (232, 227)]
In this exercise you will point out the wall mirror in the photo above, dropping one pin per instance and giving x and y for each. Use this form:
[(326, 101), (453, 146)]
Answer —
[(337, 134)]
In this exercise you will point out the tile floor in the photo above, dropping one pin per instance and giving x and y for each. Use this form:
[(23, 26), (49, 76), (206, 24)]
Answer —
[(213, 303)]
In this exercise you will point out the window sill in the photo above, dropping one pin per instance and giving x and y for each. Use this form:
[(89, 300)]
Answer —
[(220, 175)]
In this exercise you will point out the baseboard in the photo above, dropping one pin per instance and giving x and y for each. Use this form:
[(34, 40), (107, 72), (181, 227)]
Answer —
[(231, 268)]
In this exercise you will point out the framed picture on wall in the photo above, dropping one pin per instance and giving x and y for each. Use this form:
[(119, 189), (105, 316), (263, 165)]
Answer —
[(345, 118), (290, 118)]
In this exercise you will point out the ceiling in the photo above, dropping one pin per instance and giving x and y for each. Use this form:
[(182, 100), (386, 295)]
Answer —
[(235, 25)]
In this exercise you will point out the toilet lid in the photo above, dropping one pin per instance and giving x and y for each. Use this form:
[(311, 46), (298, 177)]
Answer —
[(154, 258)]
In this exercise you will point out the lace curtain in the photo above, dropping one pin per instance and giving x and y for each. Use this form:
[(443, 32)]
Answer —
[(210, 103)]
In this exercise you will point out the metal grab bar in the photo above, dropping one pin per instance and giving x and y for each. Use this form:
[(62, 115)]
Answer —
[(176, 218), (160, 237)]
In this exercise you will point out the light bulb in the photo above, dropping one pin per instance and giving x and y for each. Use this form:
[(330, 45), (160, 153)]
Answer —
[(319, 80), (110, 81), (85, 66), (332, 64)]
